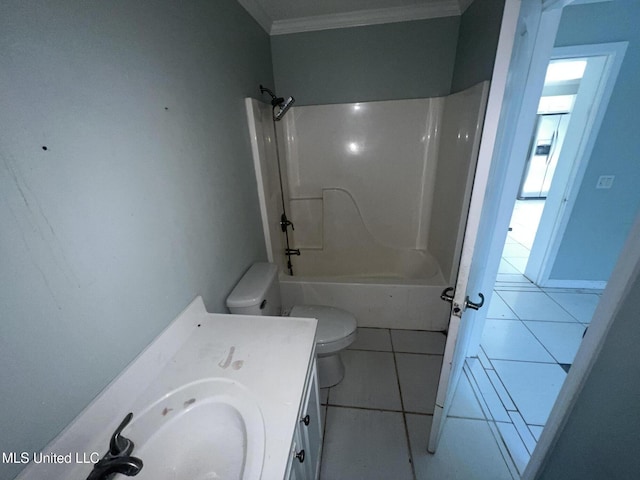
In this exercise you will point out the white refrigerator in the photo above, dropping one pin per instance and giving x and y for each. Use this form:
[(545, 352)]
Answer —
[(546, 145)]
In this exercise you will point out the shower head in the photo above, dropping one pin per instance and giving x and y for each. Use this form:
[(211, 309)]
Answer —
[(283, 108), (278, 102)]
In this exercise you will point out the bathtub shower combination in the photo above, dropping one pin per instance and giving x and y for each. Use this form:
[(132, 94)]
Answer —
[(377, 193)]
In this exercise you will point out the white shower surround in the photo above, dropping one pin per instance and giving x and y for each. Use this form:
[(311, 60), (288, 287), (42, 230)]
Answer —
[(378, 194)]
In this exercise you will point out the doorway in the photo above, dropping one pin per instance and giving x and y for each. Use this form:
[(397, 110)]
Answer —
[(554, 166), (534, 325)]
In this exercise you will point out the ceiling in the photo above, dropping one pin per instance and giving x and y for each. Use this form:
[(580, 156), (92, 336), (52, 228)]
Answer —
[(279, 17)]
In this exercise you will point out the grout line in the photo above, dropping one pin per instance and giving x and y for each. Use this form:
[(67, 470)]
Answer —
[(391, 342), (391, 351), (521, 434), (324, 436), (356, 407), (540, 341), (400, 329), (512, 265), (368, 350), (404, 416), (395, 365), (497, 292), (476, 393), (388, 410), (492, 367), (475, 387), (505, 451), (406, 433), (423, 354), (506, 391), (550, 321), (557, 303), (551, 362)]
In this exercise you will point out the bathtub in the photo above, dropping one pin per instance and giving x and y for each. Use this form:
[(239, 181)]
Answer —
[(378, 193), (400, 290)]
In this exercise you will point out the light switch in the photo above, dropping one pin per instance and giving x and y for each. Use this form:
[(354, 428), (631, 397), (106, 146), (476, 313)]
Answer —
[(605, 181)]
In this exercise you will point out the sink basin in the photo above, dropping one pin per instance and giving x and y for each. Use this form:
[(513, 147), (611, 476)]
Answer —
[(210, 429)]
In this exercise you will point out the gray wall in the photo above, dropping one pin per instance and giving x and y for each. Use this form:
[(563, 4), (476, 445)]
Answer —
[(379, 62), (601, 439), (477, 43), (144, 197), (601, 219)]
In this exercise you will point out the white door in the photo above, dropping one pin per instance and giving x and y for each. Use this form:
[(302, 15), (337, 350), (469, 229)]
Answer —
[(513, 85)]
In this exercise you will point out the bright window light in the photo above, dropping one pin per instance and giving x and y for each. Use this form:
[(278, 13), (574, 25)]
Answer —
[(556, 104), (564, 70)]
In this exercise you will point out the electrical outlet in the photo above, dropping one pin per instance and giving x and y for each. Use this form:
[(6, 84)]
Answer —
[(605, 181)]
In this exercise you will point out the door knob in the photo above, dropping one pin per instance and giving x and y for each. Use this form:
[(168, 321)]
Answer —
[(473, 305), (447, 294)]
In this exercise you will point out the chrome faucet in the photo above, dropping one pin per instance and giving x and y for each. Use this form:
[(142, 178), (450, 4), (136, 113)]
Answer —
[(118, 459)]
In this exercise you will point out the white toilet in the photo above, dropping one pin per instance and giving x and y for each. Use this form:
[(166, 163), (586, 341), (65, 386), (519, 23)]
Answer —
[(258, 293)]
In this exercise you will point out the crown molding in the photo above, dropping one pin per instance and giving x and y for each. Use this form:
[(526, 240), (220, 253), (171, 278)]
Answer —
[(434, 9), (258, 13), (437, 9), (464, 4)]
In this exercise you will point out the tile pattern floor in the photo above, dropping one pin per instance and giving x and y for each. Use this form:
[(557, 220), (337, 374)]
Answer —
[(377, 420), (529, 342)]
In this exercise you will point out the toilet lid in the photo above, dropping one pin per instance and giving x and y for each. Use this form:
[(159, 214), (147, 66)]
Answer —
[(333, 323)]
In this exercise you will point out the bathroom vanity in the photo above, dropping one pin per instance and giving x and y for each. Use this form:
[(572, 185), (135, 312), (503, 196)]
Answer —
[(213, 396)]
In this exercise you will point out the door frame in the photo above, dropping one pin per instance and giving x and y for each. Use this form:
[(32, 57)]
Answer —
[(596, 89)]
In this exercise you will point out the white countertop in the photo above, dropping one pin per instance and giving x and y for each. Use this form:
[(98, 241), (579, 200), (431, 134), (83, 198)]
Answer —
[(270, 356)]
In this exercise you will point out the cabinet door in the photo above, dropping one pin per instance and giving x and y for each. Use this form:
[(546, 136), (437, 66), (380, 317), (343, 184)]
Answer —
[(304, 463), (311, 426), (298, 470)]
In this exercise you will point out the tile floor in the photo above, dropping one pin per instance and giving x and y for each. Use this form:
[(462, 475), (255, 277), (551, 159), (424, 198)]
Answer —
[(529, 342), (377, 420)]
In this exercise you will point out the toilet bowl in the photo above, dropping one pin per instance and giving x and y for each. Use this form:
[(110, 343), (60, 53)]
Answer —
[(258, 293), (336, 331)]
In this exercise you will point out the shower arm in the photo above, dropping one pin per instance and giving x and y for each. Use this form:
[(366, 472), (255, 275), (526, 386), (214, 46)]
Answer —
[(275, 101)]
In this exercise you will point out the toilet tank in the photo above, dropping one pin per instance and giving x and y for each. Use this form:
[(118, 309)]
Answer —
[(257, 292)]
